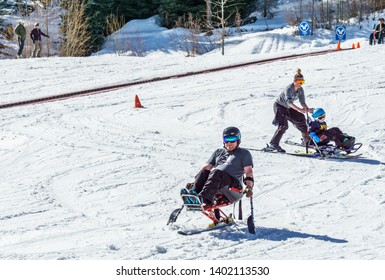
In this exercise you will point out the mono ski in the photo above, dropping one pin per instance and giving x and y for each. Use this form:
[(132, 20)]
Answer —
[(310, 154), (210, 228)]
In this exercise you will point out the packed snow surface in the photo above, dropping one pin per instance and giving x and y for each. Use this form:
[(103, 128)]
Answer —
[(95, 178)]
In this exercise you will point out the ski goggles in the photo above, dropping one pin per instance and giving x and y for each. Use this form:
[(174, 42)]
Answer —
[(300, 82), (321, 118), (230, 139)]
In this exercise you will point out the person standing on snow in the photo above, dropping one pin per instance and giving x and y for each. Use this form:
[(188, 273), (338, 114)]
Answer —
[(36, 34), (224, 172), (378, 33), (285, 110), (21, 35)]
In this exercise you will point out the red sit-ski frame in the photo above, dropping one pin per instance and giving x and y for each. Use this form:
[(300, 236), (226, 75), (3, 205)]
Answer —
[(213, 212)]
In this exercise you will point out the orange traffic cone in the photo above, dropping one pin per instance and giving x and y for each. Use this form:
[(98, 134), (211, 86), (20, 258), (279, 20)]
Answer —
[(353, 47), (339, 46), (137, 102), (358, 45)]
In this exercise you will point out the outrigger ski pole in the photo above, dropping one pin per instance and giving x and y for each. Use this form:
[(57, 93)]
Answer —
[(174, 215), (250, 219)]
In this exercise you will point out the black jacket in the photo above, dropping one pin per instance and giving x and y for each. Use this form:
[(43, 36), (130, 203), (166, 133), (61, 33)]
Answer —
[(380, 27), (36, 34)]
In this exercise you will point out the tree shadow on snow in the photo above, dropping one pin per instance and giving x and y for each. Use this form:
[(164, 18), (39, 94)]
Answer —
[(275, 234)]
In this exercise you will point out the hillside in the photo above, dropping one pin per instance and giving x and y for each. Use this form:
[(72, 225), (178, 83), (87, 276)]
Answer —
[(93, 178)]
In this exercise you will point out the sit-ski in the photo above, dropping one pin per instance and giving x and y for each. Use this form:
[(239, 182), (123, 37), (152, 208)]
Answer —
[(214, 212), (333, 151)]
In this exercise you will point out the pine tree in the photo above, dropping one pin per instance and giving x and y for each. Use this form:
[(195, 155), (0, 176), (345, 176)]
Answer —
[(134, 9), (171, 10), (97, 13), (266, 7)]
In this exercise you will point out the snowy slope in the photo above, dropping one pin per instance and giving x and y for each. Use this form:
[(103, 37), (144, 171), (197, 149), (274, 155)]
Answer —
[(94, 178)]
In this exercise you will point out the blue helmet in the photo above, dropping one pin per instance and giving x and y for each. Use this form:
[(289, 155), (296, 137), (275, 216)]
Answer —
[(318, 113)]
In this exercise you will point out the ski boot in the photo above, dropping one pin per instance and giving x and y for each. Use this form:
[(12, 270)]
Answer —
[(273, 148)]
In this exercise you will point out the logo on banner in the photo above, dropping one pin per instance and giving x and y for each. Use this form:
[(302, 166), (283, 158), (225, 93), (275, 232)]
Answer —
[(304, 28), (340, 33)]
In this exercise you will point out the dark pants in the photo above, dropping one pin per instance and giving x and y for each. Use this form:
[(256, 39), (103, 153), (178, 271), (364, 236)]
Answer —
[(21, 46), (335, 134), (210, 183), (379, 36), (282, 116)]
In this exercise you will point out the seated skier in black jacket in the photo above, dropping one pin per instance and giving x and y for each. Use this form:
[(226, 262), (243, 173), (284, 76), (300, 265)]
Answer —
[(320, 134), (378, 33)]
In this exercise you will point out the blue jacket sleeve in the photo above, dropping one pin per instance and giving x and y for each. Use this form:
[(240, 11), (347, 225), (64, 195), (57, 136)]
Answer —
[(314, 136)]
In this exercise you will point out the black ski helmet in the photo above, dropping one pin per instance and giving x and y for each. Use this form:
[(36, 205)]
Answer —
[(232, 131)]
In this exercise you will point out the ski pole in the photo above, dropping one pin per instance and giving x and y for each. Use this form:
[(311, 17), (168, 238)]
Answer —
[(315, 144), (250, 219)]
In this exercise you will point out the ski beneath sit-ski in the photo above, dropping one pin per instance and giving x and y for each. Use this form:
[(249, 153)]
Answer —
[(289, 142), (310, 154), (341, 154), (198, 231)]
